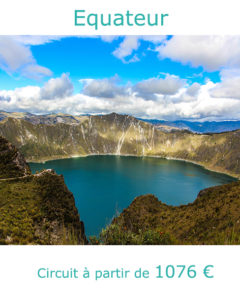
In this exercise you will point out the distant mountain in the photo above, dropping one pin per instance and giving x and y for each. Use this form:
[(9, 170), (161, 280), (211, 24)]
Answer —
[(167, 126), (199, 127), (42, 119)]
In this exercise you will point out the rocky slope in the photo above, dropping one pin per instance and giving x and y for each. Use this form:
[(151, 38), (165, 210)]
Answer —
[(35, 209), (213, 218), (42, 138), (12, 162)]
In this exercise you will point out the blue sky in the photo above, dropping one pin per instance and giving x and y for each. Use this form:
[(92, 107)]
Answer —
[(93, 58), (164, 77)]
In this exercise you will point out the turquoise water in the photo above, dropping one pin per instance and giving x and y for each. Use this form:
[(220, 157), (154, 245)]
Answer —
[(105, 185)]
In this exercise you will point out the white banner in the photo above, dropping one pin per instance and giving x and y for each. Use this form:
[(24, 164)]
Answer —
[(172, 272), (152, 272), (58, 17)]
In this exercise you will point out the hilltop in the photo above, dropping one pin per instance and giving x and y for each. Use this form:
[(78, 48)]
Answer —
[(35, 209), (51, 137), (212, 219)]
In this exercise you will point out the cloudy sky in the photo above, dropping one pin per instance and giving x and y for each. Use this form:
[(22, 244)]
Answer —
[(157, 77)]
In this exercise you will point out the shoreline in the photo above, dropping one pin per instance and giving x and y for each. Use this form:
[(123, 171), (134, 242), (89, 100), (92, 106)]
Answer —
[(44, 160)]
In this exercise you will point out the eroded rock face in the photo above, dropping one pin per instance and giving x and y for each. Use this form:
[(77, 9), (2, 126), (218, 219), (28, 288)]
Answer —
[(60, 222), (12, 162)]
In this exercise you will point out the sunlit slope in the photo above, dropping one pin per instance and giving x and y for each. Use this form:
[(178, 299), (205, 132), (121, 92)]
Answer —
[(121, 135), (213, 218)]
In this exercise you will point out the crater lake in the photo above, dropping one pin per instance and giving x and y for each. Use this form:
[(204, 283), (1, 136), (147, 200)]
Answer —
[(104, 185)]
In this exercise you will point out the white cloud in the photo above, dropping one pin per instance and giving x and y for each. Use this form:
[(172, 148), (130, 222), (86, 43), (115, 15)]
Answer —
[(162, 98), (109, 38), (105, 88), (15, 57), (210, 52), (148, 89), (35, 71), (228, 88), (193, 89), (126, 48), (229, 73), (229, 85), (34, 40), (131, 43), (56, 96), (155, 39), (57, 88)]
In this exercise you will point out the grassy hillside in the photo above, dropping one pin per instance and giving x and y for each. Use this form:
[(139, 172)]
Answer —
[(35, 209), (213, 218), (121, 135), (39, 209)]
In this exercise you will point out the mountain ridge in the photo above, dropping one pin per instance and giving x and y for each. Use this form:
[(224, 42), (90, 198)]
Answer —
[(193, 126), (212, 219), (122, 135)]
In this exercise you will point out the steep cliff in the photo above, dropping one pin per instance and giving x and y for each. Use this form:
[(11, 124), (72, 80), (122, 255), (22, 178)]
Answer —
[(35, 209), (12, 162), (213, 218), (54, 136)]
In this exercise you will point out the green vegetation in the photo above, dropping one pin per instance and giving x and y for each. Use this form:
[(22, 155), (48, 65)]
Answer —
[(35, 209), (12, 163), (38, 209), (43, 138), (116, 234), (213, 218)]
